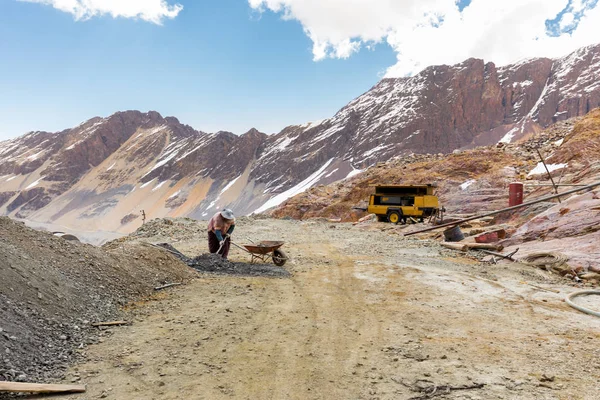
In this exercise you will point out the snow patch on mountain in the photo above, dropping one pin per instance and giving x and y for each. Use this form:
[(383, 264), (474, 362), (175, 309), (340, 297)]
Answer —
[(299, 188), (159, 186), (468, 183), (540, 169), (35, 156), (509, 135), (354, 172), (34, 184), (147, 183), (230, 184), (331, 173)]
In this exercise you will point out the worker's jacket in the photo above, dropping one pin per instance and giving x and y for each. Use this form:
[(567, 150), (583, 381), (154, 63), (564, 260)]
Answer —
[(217, 222)]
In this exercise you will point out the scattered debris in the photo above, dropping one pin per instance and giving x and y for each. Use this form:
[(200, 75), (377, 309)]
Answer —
[(431, 390), (504, 256), (529, 203)]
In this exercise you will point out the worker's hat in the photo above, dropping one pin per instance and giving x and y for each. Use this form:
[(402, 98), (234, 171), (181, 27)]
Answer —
[(227, 214)]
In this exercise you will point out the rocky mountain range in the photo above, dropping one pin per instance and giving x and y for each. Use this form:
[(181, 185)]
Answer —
[(100, 174)]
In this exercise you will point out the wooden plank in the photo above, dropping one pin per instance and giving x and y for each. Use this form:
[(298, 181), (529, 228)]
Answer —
[(168, 285), (110, 323), (21, 387), (485, 246), (460, 246), (455, 246)]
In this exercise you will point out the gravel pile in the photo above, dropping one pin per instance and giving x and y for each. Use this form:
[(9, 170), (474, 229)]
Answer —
[(53, 290), (214, 263), (168, 229)]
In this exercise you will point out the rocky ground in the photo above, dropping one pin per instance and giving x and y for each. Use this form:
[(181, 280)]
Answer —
[(366, 314)]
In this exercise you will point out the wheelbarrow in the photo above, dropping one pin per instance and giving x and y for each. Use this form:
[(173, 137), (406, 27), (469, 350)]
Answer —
[(264, 250)]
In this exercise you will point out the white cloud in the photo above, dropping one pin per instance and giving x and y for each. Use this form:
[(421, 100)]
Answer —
[(567, 20), (148, 10), (431, 32)]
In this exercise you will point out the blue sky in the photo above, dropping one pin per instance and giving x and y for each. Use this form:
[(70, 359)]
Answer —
[(218, 66), (237, 64)]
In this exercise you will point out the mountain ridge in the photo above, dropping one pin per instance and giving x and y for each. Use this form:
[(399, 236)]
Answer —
[(90, 173)]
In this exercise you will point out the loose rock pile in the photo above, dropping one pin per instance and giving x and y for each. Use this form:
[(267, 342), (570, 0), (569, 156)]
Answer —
[(53, 290), (214, 263)]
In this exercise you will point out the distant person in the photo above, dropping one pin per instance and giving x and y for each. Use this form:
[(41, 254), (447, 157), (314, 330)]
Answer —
[(220, 227)]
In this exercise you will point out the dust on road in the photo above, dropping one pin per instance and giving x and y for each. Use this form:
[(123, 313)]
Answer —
[(365, 315)]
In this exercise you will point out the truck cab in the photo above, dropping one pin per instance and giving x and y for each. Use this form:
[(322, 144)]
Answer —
[(397, 203)]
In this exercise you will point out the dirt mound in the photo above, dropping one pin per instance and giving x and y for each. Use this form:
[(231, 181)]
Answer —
[(167, 228), (174, 228), (53, 290), (216, 264)]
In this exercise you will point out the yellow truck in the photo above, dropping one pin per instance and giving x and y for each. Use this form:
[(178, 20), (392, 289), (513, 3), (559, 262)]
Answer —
[(397, 203)]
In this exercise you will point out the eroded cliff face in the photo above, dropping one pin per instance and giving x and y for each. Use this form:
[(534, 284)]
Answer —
[(110, 168)]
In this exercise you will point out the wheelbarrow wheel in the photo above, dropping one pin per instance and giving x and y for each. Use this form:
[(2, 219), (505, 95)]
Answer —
[(279, 258)]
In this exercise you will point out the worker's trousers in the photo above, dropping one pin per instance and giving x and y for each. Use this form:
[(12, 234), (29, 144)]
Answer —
[(213, 245)]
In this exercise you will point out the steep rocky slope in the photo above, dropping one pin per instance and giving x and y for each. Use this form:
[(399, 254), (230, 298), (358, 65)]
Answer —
[(100, 174), (468, 181), (103, 172)]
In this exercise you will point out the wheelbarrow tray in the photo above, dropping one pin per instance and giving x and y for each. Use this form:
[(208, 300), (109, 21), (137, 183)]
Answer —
[(264, 247)]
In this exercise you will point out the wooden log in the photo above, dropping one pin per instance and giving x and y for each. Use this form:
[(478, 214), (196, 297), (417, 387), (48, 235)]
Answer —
[(455, 246), (368, 218), (21, 387), (110, 323)]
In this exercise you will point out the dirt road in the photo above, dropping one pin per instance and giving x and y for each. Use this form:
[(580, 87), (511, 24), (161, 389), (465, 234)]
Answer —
[(366, 315)]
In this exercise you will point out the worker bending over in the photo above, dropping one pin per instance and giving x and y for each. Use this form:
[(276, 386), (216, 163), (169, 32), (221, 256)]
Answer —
[(220, 227)]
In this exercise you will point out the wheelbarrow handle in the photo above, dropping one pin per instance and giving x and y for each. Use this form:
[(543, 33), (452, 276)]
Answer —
[(240, 247)]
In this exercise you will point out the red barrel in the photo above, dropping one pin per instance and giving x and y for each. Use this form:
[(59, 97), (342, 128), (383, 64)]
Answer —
[(515, 194)]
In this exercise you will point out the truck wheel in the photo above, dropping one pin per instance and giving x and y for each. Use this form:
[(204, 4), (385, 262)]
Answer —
[(394, 217)]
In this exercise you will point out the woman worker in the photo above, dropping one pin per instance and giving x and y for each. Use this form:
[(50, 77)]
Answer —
[(220, 227)]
